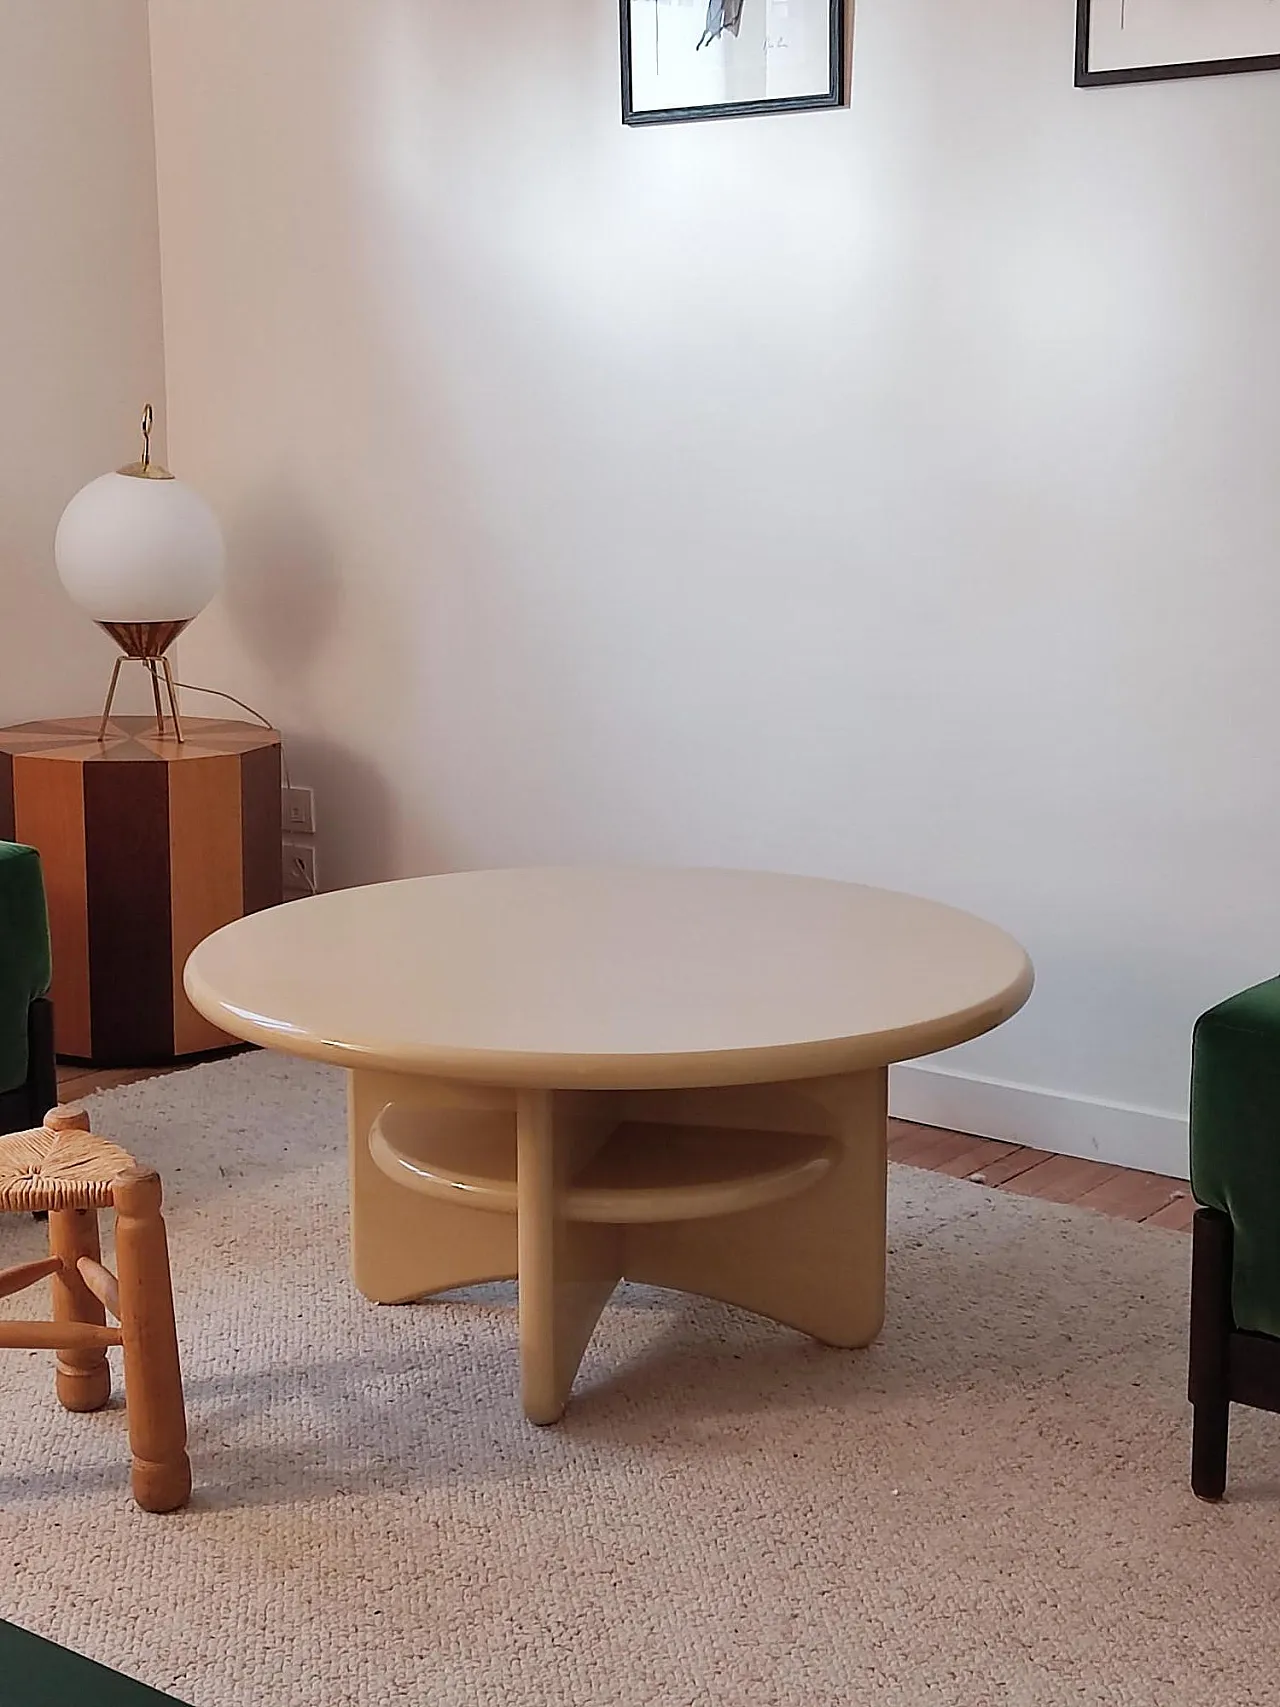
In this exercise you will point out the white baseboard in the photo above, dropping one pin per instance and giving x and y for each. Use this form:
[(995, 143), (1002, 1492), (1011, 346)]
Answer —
[(1071, 1126)]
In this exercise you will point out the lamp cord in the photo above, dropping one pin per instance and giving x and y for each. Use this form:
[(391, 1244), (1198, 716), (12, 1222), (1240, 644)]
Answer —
[(220, 693)]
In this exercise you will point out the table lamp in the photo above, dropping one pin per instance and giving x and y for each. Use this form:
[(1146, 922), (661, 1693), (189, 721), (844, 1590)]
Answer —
[(142, 554)]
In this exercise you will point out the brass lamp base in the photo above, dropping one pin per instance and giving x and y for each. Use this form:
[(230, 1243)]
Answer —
[(146, 643)]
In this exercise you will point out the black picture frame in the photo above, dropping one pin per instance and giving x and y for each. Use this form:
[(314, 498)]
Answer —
[(1089, 79), (832, 96)]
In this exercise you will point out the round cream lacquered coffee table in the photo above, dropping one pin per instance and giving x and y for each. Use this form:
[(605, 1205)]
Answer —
[(572, 1076)]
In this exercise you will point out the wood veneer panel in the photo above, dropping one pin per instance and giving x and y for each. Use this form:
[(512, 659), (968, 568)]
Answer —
[(945, 1147), (1132, 1196), (93, 1080), (1061, 1179), (205, 877), (74, 1082), (1019, 1161), (907, 1142), (1176, 1216), (126, 827), (260, 821), (982, 1153), (48, 811)]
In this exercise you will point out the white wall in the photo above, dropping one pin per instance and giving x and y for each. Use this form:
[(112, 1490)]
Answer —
[(887, 493), (80, 328)]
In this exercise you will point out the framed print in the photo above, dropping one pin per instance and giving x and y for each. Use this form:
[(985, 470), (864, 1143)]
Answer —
[(1142, 41), (713, 59)]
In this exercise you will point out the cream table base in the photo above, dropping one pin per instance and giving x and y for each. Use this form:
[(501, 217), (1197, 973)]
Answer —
[(770, 1197)]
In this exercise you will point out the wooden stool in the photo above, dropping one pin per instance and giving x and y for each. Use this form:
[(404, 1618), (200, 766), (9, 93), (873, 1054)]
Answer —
[(66, 1170)]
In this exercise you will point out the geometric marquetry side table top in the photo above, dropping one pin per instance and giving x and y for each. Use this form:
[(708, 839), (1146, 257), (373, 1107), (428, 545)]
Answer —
[(75, 739), (148, 844)]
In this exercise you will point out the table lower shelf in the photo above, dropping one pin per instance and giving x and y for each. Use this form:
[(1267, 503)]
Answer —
[(643, 1172), (770, 1197)]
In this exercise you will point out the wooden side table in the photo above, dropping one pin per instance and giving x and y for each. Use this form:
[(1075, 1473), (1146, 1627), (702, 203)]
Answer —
[(148, 844)]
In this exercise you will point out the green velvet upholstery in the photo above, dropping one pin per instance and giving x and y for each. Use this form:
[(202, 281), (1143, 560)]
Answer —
[(36, 1673), (24, 955), (1235, 1143)]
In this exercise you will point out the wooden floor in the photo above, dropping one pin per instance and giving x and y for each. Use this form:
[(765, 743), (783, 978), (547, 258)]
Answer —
[(1154, 1199)]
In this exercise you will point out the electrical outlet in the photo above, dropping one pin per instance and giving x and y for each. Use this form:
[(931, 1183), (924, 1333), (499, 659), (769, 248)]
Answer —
[(298, 868), (298, 810)]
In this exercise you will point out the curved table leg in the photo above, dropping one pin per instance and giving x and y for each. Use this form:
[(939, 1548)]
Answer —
[(404, 1246), (567, 1269), (815, 1262)]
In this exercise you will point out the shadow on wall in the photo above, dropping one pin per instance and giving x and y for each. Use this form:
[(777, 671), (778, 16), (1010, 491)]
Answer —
[(358, 838), (284, 599), (283, 590)]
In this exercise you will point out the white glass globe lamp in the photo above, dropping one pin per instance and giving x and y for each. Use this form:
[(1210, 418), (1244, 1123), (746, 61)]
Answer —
[(142, 554)]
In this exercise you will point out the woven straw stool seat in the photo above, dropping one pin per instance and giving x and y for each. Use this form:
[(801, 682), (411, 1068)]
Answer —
[(69, 1172), (47, 1169)]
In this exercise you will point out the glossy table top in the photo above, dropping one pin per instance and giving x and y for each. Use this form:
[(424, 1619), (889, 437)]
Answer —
[(610, 977)]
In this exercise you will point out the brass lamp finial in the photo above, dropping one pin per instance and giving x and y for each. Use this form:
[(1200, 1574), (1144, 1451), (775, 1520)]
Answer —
[(146, 469)]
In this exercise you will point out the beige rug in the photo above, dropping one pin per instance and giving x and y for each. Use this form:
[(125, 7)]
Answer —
[(988, 1507)]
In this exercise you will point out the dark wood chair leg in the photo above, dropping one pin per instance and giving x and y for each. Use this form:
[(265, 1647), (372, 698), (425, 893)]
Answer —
[(25, 1105), (1210, 1427), (42, 1062), (152, 1373), (1209, 1378)]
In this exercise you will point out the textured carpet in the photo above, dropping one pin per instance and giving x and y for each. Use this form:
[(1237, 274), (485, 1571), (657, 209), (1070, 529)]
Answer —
[(990, 1506)]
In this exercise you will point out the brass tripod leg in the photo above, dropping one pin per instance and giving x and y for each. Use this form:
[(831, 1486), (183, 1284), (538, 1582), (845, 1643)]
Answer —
[(111, 694), (153, 672), (173, 696)]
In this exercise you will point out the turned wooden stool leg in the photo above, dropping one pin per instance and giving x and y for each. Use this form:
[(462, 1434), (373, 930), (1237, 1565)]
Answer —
[(152, 1374), (84, 1377)]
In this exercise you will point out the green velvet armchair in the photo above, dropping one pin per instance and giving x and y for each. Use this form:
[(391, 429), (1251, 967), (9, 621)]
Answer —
[(1235, 1265), (28, 1075), (38, 1674)]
